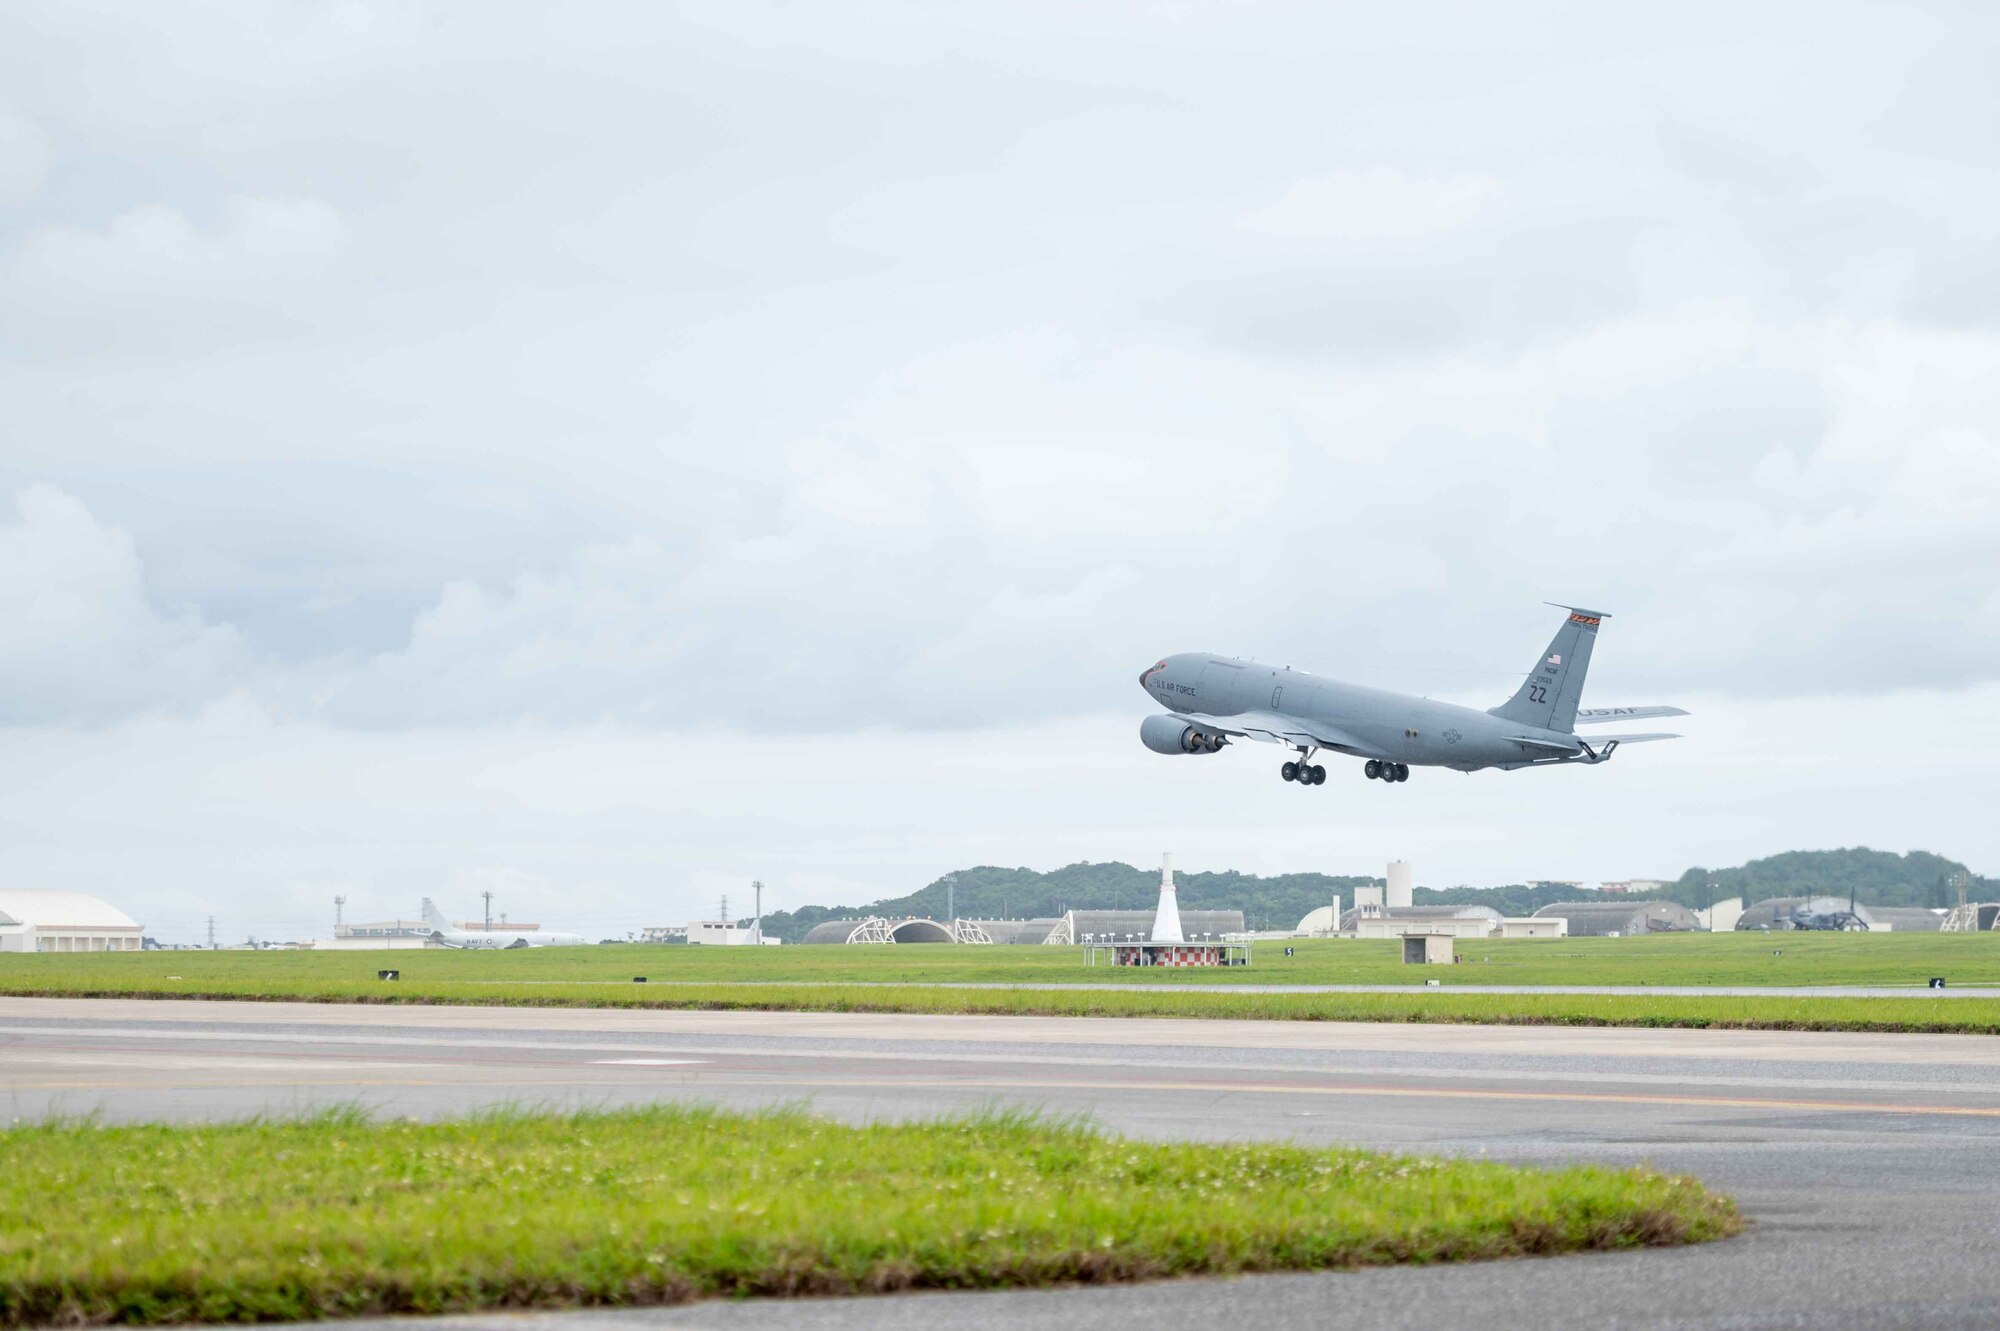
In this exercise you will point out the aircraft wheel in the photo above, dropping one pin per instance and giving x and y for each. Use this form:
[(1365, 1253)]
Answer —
[(1402, 771), (1373, 769), (1290, 771), (1319, 775)]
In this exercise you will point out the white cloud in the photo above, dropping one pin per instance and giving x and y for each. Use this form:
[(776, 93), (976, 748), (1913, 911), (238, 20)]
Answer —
[(25, 156), (79, 637), (1376, 205), (151, 273)]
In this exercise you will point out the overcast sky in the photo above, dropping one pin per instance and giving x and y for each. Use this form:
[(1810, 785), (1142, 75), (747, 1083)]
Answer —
[(601, 453)]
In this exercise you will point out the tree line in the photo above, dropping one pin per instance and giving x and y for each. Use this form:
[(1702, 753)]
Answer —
[(1874, 877)]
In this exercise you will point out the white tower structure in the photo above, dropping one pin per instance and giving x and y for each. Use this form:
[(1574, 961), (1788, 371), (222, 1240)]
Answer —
[(1400, 892), (1167, 919)]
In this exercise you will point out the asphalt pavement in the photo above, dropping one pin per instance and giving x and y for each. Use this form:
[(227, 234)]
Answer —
[(1866, 1162)]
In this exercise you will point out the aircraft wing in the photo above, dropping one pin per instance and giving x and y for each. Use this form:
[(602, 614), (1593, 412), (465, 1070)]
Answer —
[(1275, 728), (1597, 716)]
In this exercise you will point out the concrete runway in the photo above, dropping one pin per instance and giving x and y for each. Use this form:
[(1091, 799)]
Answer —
[(1867, 1162)]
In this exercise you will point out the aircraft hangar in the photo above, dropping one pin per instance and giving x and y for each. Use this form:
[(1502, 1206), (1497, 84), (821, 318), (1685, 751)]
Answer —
[(41, 920)]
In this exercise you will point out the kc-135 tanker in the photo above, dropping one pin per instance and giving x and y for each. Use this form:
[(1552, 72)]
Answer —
[(1214, 699)]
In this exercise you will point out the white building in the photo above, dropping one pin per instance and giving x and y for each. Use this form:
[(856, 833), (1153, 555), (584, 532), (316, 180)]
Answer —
[(1401, 886), (727, 933), (1722, 916), (34, 920), (1321, 923)]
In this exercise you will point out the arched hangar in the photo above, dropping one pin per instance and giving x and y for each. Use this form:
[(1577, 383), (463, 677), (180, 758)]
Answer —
[(875, 929), (46, 920)]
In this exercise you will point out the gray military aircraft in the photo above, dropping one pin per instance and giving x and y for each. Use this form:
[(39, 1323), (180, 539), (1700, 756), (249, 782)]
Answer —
[(1214, 699)]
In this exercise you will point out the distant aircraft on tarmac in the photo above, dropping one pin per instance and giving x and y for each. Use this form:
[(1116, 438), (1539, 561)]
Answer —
[(443, 931), (1214, 699)]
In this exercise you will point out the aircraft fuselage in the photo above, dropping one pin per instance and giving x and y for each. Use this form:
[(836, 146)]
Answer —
[(1391, 727)]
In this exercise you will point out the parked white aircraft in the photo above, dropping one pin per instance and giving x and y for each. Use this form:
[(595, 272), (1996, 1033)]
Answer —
[(444, 931)]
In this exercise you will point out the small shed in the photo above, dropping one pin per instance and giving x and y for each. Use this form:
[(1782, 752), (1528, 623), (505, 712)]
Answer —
[(1427, 949)]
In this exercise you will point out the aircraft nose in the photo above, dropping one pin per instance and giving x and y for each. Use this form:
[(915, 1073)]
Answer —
[(1146, 675)]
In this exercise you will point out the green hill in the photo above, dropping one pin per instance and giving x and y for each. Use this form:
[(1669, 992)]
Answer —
[(1874, 877), (990, 892), (1877, 878)]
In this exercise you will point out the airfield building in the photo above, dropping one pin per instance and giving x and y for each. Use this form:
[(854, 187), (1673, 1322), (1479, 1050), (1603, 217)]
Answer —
[(384, 929), (876, 929), (1080, 926), (1070, 927), (1013, 931), (1903, 919), (1352, 920), (1399, 891), (1621, 919), (39, 920), (1778, 912)]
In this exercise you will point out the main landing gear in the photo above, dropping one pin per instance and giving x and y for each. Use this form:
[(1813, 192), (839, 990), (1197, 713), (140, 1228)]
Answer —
[(1378, 770), (1306, 774)]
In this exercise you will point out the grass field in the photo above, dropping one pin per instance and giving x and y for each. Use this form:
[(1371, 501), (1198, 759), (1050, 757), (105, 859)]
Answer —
[(909, 979), (1661, 959), (338, 1216)]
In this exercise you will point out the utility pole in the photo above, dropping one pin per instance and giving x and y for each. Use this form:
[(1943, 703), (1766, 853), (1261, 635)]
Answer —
[(338, 923), (211, 933), (725, 909), (951, 896), (488, 894), (757, 922)]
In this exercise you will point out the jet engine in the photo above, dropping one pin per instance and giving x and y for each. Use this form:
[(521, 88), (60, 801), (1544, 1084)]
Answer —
[(1168, 734)]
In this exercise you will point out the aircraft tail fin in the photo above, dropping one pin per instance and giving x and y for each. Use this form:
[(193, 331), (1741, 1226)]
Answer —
[(1549, 695), (434, 917)]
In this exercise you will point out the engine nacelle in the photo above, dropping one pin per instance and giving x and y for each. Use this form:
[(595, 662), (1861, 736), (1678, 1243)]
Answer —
[(1168, 734)]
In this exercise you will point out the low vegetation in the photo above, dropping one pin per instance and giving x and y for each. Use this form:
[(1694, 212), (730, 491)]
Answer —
[(1661, 959), (338, 1216), (1053, 981)]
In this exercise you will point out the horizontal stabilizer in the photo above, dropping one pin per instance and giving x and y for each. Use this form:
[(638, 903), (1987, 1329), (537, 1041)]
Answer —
[(1601, 740), (1594, 716), (1535, 743)]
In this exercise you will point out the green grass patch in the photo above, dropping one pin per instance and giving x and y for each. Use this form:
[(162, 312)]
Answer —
[(913, 979), (1661, 959), (1960, 1016), (339, 1217)]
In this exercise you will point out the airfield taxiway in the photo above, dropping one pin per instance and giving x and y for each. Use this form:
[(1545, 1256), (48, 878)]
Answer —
[(1868, 1163)]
